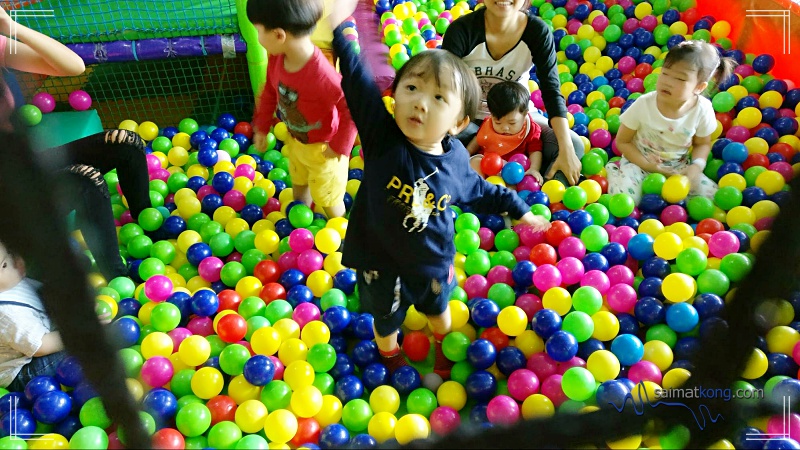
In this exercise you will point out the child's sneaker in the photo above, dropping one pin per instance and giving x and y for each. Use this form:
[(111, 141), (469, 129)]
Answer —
[(393, 360), (441, 366)]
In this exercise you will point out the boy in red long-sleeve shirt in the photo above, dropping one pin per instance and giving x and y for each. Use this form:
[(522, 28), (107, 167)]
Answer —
[(306, 91)]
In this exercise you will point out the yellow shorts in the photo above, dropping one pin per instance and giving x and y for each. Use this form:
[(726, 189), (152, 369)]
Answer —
[(326, 178)]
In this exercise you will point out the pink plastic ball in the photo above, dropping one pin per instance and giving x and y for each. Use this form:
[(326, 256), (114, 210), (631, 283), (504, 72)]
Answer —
[(783, 168), (390, 21), (621, 235), (444, 420), (273, 204), (500, 274), (160, 174), (572, 247), (476, 286), (574, 108), (778, 425), (764, 223), (446, 15), (424, 21), (487, 238), (542, 365), (723, 243), (786, 112), (309, 261), (301, 240), (204, 191), (644, 371), (626, 64), (521, 159), (522, 253), (530, 237), (158, 287), (637, 213), (621, 298), (649, 23), (234, 199), (522, 383), (635, 85), (288, 261), (574, 362), (738, 133), (153, 163), (571, 270), (620, 274), (673, 214), (502, 410), (600, 138), (178, 335), (44, 101), (625, 3), (536, 98), (125, 218), (571, 6), (745, 70), (279, 368), (614, 148), (210, 268), (597, 280), (551, 388), (630, 25), (529, 303), (245, 170), (609, 228), (157, 371), (528, 183), (80, 100), (600, 23), (796, 352), (546, 276), (305, 313), (573, 25), (202, 326)]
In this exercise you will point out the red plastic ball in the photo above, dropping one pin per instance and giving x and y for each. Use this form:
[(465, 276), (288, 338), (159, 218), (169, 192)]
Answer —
[(222, 408), (709, 226), (272, 291), (229, 299), (642, 70), (616, 102), (491, 164), (602, 181), (416, 346), (783, 149), (234, 257), (543, 254), (267, 271), (704, 236), (496, 337), (755, 159), (244, 128), (558, 231), (725, 119), (232, 328), (557, 207), (169, 439), (308, 430)]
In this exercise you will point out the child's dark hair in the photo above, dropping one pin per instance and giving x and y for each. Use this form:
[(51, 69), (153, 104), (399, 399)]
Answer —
[(507, 96), (704, 57), (298, 17), (441, 62)]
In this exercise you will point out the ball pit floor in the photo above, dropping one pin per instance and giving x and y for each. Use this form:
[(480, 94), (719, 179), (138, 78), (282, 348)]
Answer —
[(242, 329)]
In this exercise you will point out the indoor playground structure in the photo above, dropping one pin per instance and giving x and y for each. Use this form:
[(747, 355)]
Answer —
[(239, 327)]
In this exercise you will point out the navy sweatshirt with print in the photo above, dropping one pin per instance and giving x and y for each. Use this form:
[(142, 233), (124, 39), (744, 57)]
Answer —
[(400, 221)]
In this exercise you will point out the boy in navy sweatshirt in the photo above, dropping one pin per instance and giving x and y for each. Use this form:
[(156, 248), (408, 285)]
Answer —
[(400, 234)]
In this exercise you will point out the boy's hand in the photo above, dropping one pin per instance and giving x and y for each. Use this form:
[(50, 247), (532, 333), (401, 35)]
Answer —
[(330, 154), (341, 10), (258, 140), (536, 175), (538, 223), (104, 318), (693, 173)]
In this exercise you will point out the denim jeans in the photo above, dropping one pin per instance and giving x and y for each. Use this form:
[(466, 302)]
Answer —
[(41, 365)]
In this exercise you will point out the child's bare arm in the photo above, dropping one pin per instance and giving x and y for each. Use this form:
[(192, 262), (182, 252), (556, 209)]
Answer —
[(535, 169), (473, 146), (51, 343)]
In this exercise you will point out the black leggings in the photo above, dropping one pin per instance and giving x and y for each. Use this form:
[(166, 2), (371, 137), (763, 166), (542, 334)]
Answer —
[(79, 167)]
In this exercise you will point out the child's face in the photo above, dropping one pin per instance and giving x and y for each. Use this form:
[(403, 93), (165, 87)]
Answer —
[(426, 110), (678, 83), (12, 270), (271, 40), (509, 124)]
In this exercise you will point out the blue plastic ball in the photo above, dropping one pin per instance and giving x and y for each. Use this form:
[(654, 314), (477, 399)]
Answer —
[(481, 354), (406, 379), (546, 322), (682, 317), (480, 386), (259, 370), (561, 346), (628, 349)]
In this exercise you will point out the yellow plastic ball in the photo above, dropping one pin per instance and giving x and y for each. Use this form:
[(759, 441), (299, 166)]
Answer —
[(292, 350), (333, 263), (240, 390), (675, 378), (496, 180), (592, 189), (781, 339), (758, 239), (281, 424), (265, 341), (331, 411), (720, 29), (625, 443), (765, 208), (651, 227), (679, 287), (327, 240), (459, 313), (741, 214), (157, 344), (537, 406), (769, 99), (147, 130), (207, 382), (267, 241), (658, 353), (604, 365), (287, 329), (676, 188), (306, 401), (194, 350), (667, 245), (606, 325), (643, 9), (53, 441), (529, 343), (315, 332), (249, 286), (757, 365), (770, 181), (415, 320), (181, 140), (733, 179), (411, 427), (250, 416), (452, 394), (281, 132), (384, 398), (682, 229), (554, 190), (129, 125), (381, 426), (557, 299), (512, 320)]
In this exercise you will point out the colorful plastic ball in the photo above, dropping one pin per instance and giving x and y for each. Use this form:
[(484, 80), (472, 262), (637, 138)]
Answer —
[(502, 410), (682, 317), (561, 346), (722, 243), (512, 173), (675, 189), (280, 426), (628, 349), (80, 100)]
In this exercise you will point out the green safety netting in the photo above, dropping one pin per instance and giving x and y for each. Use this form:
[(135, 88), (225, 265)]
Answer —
[(112, 20)]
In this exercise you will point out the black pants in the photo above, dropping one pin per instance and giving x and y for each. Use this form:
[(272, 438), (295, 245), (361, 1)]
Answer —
[(79, 167)]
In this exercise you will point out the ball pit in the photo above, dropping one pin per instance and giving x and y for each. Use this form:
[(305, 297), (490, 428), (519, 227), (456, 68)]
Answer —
[(243, 329)]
